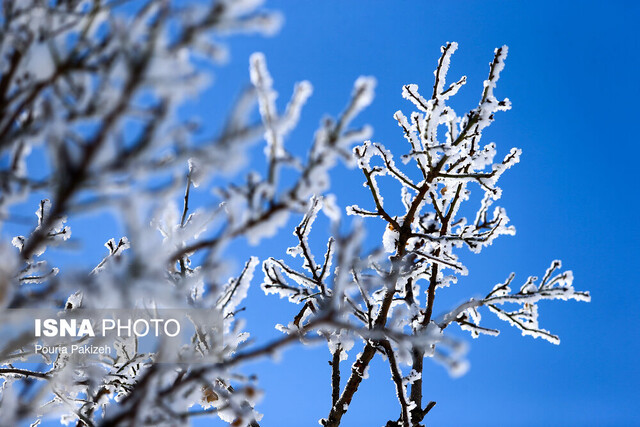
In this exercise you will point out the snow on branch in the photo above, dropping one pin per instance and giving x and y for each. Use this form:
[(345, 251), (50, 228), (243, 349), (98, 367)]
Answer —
[(386, 299), (525, 316)]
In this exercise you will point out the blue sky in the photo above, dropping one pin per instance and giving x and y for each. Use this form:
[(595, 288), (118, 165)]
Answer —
[(571, 76)]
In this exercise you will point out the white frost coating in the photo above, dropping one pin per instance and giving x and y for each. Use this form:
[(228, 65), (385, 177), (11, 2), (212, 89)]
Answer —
[(196, 174), (330, 208), (387, 159), (454, 88), (267, 228), (39, 63), (301, 94), (9, 264), (263, 82), (410, 92), (235, 291), (302, 233), (365, 373), (115, 250), (390, 239), (412, 377), (240, 7), (443, 67), (74, 301), (276, 127), (342, 340), (57, 231), (362, 95), (525, 316), (348, 255), (490, 84), (268, 25), (363, 154)]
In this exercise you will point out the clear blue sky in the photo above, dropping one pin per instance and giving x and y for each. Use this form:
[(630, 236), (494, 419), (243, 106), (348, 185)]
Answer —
[(572, 77)]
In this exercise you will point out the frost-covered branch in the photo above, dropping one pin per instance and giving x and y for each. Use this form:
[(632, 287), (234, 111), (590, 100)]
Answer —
[(385, 296)]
